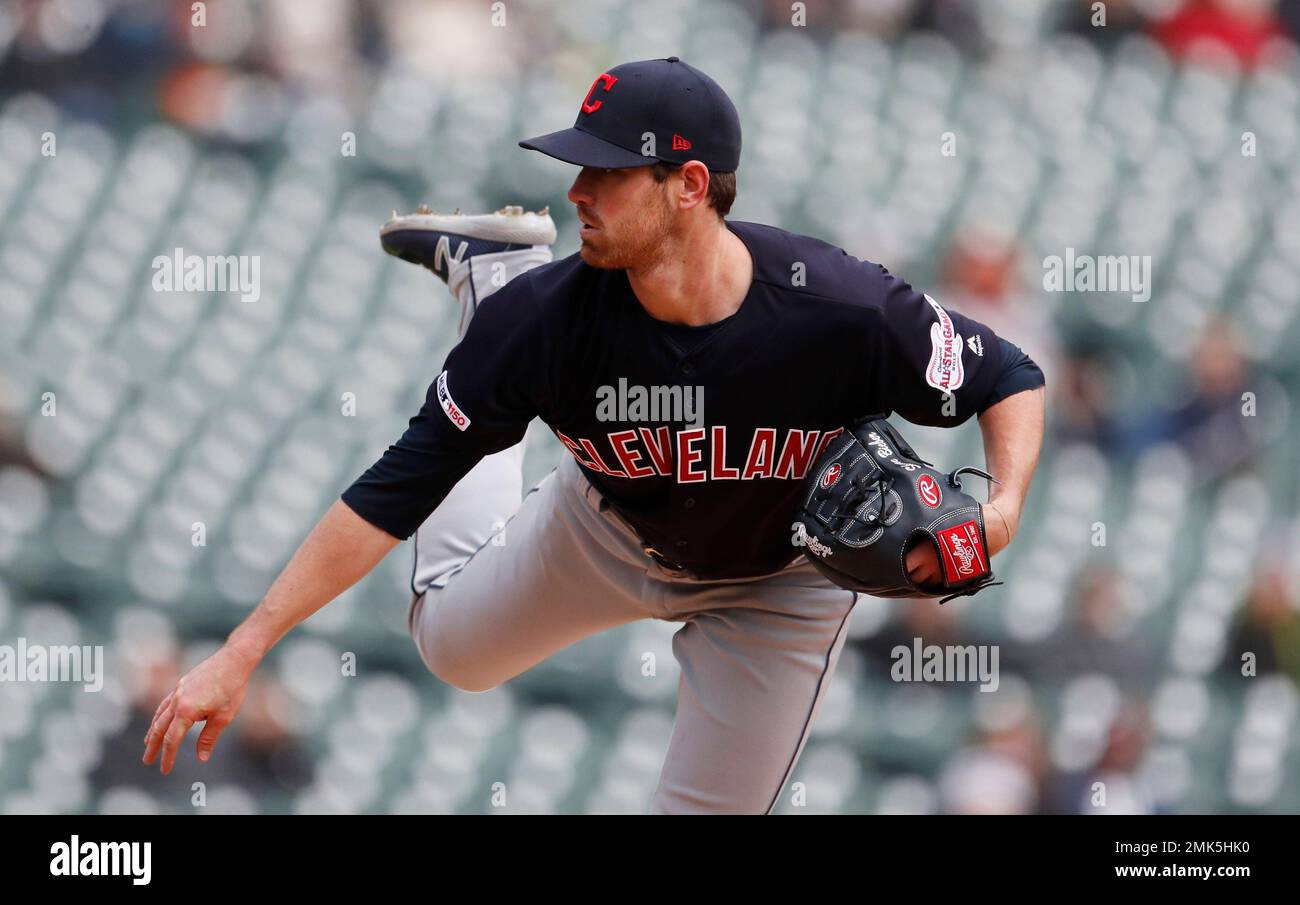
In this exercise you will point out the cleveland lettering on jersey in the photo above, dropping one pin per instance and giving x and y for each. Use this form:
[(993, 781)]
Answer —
[(702, 455), (784, 375)]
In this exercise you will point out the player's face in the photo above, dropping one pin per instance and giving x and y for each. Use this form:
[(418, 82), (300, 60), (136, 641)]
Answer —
[(625, 215)]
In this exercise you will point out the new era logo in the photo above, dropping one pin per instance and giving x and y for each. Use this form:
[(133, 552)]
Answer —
[(680, 144)]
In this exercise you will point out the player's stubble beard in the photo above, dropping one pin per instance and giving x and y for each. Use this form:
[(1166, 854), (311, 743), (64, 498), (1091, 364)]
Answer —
[(639, 242)]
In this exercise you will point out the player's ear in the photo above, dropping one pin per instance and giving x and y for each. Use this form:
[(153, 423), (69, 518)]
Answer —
[(695, 184)]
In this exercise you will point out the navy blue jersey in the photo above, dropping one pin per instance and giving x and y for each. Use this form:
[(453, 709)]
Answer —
[(699, 437)]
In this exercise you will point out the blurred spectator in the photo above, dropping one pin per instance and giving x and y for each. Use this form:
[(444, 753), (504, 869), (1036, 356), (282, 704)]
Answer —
[(1288, 13), (886, 18), (1114, 784), (1098, 639), (957, 20), (1243, 27), (1081, 406), (980, 781), (1001, 772), (1268, 626), (1212, 424), (96, 60), (1122, 18), (13, 451)]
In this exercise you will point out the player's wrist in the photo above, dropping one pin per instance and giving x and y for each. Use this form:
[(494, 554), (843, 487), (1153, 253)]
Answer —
[(247, 647), (1000, 522)]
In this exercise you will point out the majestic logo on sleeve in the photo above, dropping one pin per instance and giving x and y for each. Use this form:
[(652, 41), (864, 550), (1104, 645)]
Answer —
[(458, 418), (944, 372)]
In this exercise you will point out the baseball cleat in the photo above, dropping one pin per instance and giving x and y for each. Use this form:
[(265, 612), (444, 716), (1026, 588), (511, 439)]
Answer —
[(436, 240)]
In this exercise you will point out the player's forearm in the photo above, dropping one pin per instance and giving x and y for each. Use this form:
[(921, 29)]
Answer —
[(1013, 437), (339, 552)]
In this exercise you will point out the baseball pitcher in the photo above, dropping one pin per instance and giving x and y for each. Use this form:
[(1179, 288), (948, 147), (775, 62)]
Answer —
[(696, 369)]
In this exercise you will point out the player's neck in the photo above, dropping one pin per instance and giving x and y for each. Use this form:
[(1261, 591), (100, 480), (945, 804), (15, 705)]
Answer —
[(702, 277)]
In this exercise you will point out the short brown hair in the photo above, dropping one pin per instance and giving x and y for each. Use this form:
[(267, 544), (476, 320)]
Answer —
[(722, 186)]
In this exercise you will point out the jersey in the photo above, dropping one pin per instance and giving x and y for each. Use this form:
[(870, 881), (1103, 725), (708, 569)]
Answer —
[(700, 438)]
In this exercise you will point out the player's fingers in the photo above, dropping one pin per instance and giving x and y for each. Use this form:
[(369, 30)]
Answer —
[(163, 707), (923, 572), (172, 740), (157, 730), (922, 564), (212, 730), (164, 704)]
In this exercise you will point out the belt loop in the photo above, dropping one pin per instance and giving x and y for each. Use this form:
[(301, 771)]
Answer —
[(595, 499), (588, 489)]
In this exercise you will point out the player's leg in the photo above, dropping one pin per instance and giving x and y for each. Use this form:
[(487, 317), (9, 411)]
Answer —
[(756, 660), (475, 255), (557, 572)]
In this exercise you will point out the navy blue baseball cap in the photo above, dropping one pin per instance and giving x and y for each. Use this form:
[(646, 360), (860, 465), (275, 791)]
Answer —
[(687, 113)]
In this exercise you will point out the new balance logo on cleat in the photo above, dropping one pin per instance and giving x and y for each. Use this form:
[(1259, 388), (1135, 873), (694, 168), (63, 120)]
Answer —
[(442, 253)]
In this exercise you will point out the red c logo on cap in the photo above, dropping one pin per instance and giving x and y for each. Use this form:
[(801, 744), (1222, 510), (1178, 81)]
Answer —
[(590, 106)]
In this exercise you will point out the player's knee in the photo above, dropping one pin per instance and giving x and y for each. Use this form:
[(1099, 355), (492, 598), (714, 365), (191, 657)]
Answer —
[(444, 653), (463, 680), (442, 660), (446, 669)]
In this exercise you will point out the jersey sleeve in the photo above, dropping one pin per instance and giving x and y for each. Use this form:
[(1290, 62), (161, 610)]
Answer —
[(481, 403), (939, 366), (1019, 372)]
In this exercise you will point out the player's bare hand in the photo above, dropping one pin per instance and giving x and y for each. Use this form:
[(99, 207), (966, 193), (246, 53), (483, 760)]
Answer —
[(923, 565), (210, 693)]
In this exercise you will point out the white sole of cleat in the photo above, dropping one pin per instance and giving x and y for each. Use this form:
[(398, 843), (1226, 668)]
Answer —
[(507, 225)]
